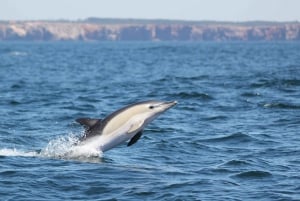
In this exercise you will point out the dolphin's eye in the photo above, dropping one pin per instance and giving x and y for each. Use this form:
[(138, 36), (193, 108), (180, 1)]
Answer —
[(151, 107)]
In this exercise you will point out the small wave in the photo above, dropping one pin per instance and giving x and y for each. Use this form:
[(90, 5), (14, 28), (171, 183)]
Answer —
[(253, 174), (233, 138), (281, 83), (190, 78), (262, 83), (188, 95), (250, 94), (14, 102), (291, 82), (18, 85), (217, 117), (237, 163), (281, 106)]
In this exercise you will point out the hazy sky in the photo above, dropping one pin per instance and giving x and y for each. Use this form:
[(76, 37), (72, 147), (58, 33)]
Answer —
[(224, 10)]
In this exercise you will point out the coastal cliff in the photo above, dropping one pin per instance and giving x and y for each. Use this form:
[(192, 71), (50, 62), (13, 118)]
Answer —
[(147, 30)]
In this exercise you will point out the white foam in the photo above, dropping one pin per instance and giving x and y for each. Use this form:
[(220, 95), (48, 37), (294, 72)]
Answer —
[(15, 152)]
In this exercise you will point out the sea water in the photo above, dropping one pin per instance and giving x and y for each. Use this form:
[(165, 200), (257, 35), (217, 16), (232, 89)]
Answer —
[(235, 134)]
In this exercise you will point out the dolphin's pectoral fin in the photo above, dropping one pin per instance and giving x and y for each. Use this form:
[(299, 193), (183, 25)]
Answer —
[(135, 126), (88, 122), (135, 138)]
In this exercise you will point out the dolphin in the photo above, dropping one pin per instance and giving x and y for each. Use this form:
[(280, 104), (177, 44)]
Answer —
[(120, 126)]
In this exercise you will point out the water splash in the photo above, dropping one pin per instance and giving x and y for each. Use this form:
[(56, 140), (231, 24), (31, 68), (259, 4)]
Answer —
[(67, 147), (16, 152), (59, 147), (64, 147)]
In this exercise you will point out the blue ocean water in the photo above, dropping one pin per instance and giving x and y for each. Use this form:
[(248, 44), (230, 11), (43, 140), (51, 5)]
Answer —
[(235, 134)]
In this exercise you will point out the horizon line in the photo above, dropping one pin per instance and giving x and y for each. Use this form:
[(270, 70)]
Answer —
[(120, 19)]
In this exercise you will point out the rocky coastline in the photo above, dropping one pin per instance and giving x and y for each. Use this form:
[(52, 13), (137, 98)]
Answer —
[(147, 30)]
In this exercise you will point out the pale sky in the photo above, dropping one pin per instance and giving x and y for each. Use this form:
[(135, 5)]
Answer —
[(221, 10)]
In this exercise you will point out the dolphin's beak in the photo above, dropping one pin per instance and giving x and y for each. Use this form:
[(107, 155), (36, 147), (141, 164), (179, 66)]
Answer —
[(169, 104)]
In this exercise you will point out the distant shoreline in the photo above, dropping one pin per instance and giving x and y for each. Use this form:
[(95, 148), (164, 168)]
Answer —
[(106, 29)]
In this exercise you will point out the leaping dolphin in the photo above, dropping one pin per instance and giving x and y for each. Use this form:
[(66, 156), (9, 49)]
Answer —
[(122, 125)]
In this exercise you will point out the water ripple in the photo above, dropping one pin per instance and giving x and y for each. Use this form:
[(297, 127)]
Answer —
[(234, 138), (235, 163), (253, 174), (279, 105), (193, 95)]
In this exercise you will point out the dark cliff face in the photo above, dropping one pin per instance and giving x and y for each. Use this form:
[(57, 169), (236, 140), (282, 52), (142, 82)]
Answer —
[(86, 31)]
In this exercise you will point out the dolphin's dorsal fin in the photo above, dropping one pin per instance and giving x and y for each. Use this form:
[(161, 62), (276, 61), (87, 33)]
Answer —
[(135, 138), (88, 122)]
